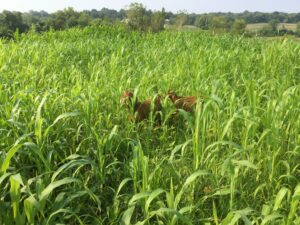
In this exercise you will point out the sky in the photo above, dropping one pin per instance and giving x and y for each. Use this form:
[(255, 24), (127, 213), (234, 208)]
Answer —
[(196, 6)]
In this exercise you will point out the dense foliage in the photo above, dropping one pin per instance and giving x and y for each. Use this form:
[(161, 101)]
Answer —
[(69, 155), (137, 17)]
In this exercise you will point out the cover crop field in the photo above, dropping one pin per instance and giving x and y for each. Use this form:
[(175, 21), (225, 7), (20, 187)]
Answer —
[(69, 154)]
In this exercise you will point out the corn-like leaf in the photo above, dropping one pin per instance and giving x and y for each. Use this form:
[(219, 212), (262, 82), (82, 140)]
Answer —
[(167, 211), (271, 219), (47, 191), (127, 216), (138, 196), (215, 214), (8, 157), (152, 196), (30, 207), (294, 205), (188, 181), (279, 197), (39, 120), (245, 163), (122, 184), (15, 194), (60, 117)]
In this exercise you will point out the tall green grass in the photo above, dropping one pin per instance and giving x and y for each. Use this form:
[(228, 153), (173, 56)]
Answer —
[(69, 154)]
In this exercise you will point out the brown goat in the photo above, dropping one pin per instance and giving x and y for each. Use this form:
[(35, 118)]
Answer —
[(142, 109), (187, 103)]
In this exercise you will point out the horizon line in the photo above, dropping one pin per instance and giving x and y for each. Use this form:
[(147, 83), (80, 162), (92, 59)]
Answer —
[(182, 10)]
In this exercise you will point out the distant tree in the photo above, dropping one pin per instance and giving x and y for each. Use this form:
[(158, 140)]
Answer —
[(274, 25), (267, 31), (170, 15), (36, 18), (158, 21), (97, 22), (181, 19), (285, 31), (71, 17), (191, 19), (258, 17), (202, 21), (239, 26), (298, 29), (84, 20), (109, 15), (137, 18), (220, 23), (122, 14), (30, 19), (67, 18), (64, 19), (10, 22), (278, 16)]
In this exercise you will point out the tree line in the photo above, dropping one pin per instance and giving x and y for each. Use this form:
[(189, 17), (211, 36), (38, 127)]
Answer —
[(137, 17)]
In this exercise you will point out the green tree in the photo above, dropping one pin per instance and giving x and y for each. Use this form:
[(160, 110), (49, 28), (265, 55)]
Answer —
[(220, 23), (158, 21), (137, 19), (97, 22), (298, 29), (84, 20), (202, 22), (239, 26), (10, 22), (274, 25), (64, 19), (181, 19)]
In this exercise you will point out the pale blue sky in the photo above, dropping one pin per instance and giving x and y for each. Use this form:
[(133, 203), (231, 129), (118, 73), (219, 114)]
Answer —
[(198, 6)]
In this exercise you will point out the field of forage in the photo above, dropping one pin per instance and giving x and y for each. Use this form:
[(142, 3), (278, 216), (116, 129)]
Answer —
[(69, 154)]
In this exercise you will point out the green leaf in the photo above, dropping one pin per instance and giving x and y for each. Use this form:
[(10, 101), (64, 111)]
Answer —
[(138, 197), (60, 117), (195, 175), (215, 214), (8, 157), (30, 206), (122, 184), (39, 120), (127, 216), (294, 205), (71, 164), (4, 176), (15, 195), (188, 181), (245, 163), (168, 211), (47, 191), (271, 218), (279, 197), (222, 192), (152, 196)]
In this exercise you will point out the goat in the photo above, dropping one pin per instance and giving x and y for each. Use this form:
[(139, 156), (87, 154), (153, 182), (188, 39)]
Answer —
[(187, 103), (142, 110)]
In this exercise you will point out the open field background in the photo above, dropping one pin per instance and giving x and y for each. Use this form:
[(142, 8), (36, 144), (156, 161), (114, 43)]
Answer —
[(254, 27), (70, 156)]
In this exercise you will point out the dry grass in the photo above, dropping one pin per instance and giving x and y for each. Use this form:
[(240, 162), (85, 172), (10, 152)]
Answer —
[(254, 27)]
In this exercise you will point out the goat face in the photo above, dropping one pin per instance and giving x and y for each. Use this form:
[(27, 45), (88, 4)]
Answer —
[(126, 99)]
